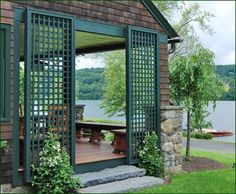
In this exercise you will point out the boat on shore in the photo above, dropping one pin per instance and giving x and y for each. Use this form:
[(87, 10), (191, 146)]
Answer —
[(218, 133)]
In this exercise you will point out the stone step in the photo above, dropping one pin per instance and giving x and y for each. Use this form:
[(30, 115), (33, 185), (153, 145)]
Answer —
[(110, 175), (131, 184)]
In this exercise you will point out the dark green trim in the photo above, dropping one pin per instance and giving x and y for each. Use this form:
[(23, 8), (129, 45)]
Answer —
[(163, 38), (100, 49), (17, 178), (73, 140), (160, 18), (6, 51), (160, 38), (158, 83), (19, 13), (99, 165), (100, 28), (70, 84), (27, 83), (128, 88)]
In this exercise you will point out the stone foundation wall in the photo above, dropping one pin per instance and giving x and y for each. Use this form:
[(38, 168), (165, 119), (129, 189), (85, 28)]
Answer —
[(171, 140)]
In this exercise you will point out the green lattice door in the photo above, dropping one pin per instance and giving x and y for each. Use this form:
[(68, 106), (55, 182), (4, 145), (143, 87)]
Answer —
[(49, 82), (142, 88)]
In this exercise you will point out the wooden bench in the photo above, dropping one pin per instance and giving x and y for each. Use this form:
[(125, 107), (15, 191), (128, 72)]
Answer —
[(119, 142), (96, 129)]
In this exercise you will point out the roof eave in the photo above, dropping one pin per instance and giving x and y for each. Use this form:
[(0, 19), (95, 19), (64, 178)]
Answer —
[(172, 34)]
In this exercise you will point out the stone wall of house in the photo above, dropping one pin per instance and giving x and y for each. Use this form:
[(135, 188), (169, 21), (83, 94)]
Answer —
[(171, 140)]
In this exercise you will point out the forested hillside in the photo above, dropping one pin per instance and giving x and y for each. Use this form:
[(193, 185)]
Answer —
[(89, 82), (227, 74)]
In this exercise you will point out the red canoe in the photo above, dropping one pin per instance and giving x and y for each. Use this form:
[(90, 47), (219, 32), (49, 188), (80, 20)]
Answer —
[(221, 133)]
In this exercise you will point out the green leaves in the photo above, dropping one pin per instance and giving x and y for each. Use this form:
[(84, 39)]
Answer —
[(194, 83), (150, 156), (53, 175), (3, 144), (114, 88)]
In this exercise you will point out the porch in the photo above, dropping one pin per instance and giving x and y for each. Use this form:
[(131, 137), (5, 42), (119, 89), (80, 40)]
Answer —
[(49, 85), (87, 152)]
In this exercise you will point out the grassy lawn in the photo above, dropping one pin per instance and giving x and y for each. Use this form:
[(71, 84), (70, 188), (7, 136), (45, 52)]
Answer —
[(227, 159), (103, 121), (211, 181)]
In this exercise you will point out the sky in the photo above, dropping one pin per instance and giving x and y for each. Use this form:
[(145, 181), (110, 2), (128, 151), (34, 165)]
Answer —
[(222, 42)]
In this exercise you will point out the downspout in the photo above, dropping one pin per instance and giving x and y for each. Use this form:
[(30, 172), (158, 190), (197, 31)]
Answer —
[(172, 43), (172, 48)]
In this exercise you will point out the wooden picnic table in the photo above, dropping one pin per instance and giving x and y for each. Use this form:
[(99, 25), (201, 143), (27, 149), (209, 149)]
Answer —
[(96, 129)]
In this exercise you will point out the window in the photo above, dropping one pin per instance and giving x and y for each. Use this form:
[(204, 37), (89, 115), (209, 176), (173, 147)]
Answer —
[(5, 42)]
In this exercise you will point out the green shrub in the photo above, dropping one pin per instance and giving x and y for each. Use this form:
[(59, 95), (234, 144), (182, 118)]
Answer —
[(109, 136), (198, 135), (201, 135), (53, 175), (150, 156), (3, 144), (184, 134)]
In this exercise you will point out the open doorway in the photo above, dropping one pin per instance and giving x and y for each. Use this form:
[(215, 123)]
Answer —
[(96, 133)]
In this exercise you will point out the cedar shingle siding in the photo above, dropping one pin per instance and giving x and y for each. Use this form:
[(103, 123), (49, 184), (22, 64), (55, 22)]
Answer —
[(7, 128), (114, 12)]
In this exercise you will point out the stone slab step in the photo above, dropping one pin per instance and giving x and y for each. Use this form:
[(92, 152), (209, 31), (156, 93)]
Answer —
[(131, 184), (110, 175)]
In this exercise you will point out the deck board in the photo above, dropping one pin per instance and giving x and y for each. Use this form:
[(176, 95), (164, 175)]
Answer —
[(91, 152)]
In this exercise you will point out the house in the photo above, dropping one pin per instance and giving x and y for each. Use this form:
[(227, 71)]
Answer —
[(44, 37)]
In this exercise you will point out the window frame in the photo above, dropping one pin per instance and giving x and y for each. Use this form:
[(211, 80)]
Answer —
[(5, 69)]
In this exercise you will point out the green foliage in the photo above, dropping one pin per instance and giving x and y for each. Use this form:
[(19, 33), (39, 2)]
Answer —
[(194, 83), (114, 98), (150, 156), (21, 91), (3, 144), (89, 83), (109, 136), (53, 175), (190, 15), (210, 181), (198, 120), (199, 135), (227, 74), (226, 70)]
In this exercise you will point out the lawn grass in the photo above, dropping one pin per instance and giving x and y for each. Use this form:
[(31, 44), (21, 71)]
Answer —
[(104, 121), (210, 181), (227, 159)]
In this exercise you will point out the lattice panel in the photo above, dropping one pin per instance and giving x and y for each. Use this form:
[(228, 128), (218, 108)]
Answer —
[(142, 88), (50, 76)]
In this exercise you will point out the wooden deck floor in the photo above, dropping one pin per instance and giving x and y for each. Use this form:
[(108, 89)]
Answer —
[(91, 152)]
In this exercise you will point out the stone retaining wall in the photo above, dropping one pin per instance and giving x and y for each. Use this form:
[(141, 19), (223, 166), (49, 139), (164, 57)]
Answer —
[(171, 140)]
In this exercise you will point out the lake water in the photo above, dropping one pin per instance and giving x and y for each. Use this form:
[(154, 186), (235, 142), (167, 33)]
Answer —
[(223, 118)]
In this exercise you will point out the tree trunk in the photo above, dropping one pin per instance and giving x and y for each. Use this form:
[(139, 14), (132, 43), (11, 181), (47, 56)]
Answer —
[(201, 129), (187, 158)]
